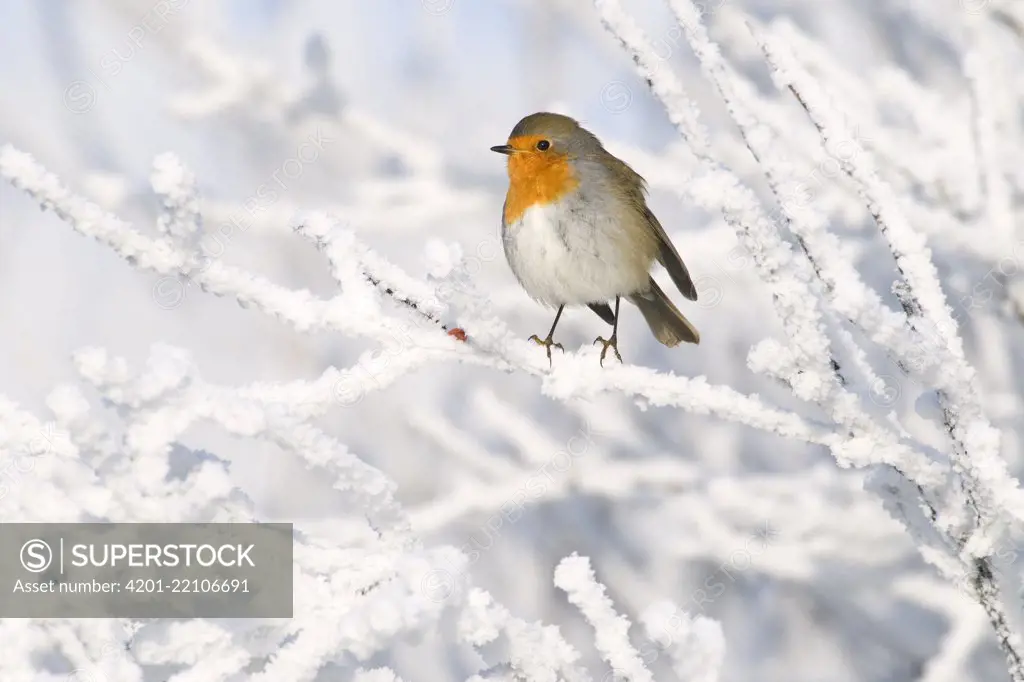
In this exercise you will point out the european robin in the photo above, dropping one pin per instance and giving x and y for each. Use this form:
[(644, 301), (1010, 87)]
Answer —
[(577, 231)]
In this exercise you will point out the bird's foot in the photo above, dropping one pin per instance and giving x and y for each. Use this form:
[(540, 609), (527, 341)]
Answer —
[(548, 345), (612, 343)]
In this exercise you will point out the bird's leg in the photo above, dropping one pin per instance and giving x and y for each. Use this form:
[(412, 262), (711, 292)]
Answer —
[(613, 342), (547, 342)]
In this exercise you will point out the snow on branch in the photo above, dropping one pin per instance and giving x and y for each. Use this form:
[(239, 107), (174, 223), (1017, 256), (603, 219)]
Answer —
[(992, 491), (805, 360), (352, 595), (695, 644), (364, 277), (575, 576), (177, 185), (535, 652)]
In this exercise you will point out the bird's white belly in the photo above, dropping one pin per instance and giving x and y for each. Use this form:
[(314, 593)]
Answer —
[(561, 256)]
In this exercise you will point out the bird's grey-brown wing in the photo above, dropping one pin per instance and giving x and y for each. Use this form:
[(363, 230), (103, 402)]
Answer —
[(669, 258), (667, 254)]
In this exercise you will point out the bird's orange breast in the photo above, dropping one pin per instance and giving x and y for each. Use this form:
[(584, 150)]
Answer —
[(535, 177)]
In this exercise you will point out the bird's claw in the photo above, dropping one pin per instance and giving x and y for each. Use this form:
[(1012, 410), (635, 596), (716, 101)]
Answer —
[(548, 345), (612, 343)]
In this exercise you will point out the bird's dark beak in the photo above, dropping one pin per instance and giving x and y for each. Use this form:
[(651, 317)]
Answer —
[(503, 149)]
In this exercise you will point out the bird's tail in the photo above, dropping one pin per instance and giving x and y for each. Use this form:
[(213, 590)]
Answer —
[(666, 322)]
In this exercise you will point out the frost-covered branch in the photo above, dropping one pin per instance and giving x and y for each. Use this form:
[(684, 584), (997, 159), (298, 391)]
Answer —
[(358, 311), (994, 497)]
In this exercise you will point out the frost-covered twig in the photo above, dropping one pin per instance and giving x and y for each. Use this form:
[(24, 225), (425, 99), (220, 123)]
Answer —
[(807, 364), (536, 653), (575, 576), (992, 495), (988, 485), (177, 185), (696, 645)]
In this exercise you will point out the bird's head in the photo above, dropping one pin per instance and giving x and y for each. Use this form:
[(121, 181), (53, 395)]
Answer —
[(545, 140), (541, 150)]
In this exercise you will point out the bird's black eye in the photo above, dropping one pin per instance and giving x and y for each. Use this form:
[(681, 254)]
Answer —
[(543, 145)]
